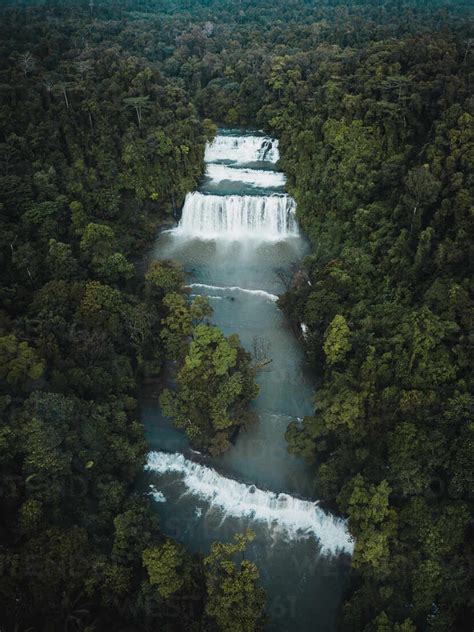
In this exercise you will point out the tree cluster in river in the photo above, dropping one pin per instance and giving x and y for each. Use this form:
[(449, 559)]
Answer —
[(372, 102), (214, 380)]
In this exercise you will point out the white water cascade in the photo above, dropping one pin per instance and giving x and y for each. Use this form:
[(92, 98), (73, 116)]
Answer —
[(266, 217), (242, 149), (235, 288), (294, 516), (254, 177)]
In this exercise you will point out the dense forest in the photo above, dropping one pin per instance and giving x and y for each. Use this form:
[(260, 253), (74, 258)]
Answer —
[(105, 109)]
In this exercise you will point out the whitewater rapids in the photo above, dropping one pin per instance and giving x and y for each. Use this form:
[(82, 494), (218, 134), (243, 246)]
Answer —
[(242, 149), (235, 288), (254, 177), (292, 516)]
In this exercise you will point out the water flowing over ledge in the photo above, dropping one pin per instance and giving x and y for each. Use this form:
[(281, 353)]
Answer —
[(254, 177), (235, 288), (296, 518), (238, 217), (242, 149)]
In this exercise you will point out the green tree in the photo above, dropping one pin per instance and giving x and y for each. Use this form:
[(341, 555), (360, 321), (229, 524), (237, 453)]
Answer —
[(337, 340), (235, 600), (18, 361), (162, 278), (163, 564), (372, 520), (214, 387)]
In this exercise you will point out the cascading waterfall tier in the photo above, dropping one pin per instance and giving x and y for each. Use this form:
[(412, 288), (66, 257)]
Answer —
[(254, 177), (267, 218), (292, 515), (242, 149), (235, 288)]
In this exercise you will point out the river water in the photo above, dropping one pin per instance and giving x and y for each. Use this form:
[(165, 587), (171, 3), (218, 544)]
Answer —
[(238, 241)]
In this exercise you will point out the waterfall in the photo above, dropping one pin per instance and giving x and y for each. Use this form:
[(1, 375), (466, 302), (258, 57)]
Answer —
[(242, 149), (236, 233), (294, 516), (266, 217), (254, 177)]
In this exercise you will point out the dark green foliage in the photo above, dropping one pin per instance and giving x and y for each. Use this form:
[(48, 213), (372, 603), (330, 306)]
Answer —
[(100, 141), (97, 149), (215, 386), (383, 179), (236, 601)]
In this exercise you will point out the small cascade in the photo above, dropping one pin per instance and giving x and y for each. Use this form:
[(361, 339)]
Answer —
[(292, 515), (242, 149), (254, 177), (266, 218), (235, 288)]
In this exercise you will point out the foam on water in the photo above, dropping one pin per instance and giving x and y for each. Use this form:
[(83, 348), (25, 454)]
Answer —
[(296, 517), (254, 177), (209, 296), (238, 217), (242, 149), (234, 288), (157, 495)]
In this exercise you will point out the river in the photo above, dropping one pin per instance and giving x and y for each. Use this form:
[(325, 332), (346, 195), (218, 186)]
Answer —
[(238, 241)]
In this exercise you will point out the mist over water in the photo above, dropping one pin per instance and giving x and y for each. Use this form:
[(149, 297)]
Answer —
[(239, 249)]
